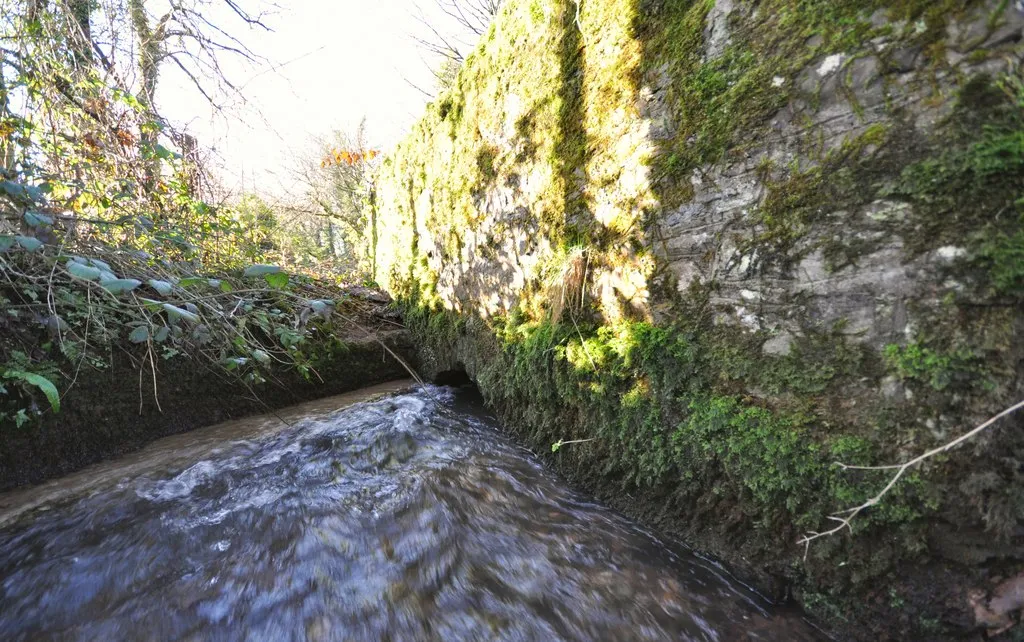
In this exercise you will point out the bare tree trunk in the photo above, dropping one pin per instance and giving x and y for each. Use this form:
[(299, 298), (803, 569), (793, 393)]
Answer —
[(373, 231), (7, 144), (81, 32), (150, 44), (331, 252)]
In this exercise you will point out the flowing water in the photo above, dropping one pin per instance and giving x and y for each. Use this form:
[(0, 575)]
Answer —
[(401, 516)]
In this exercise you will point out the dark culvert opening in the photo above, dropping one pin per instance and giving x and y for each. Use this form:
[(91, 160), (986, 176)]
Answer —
[(456, 377)]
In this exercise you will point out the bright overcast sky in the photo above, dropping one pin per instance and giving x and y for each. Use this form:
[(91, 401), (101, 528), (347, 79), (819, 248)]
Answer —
[(336, 61)]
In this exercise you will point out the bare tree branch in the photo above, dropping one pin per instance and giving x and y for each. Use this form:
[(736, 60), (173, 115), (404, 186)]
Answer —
[(845, 518), (451, 30), (255, 21)]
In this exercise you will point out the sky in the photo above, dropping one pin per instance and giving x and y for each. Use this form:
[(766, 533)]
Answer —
[(331, 64)]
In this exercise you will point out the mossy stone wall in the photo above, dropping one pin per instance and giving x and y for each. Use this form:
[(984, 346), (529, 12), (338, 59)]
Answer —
[(731, 243)]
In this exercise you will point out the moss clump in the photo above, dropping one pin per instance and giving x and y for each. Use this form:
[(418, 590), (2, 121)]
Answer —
[(1001, 255), (457, 152), (938, 370), (721, 104), (819, 361), (803, 199), (967, 192)]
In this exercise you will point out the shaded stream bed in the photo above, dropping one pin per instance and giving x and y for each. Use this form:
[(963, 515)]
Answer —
[(397, 513)]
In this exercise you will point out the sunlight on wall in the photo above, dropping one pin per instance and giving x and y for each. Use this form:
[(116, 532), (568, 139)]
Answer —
[(540, 147)]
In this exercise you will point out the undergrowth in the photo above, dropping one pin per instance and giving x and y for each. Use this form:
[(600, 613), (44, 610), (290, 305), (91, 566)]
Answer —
[(66, 306)]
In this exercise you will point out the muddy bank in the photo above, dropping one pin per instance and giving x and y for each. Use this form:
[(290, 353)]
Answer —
[(114, 411)]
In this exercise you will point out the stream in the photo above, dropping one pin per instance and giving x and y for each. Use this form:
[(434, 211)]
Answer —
[(396, 513)]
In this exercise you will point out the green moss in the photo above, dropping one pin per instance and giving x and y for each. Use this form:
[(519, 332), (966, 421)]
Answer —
[(1001, 254), (663, 413), (436, 327), (968, 192), (826, 607), (721, 102), (939, 370), (802, 199), (485, 162)]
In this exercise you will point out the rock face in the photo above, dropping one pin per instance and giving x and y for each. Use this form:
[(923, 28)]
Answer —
[(836, 102), (735, 243)]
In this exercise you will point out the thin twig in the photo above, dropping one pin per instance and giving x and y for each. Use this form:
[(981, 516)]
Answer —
[(377, 338), (845, 517), (577, 441)]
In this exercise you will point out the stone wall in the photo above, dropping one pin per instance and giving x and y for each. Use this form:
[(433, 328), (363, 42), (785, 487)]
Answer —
[(735, 242), (852, 263)]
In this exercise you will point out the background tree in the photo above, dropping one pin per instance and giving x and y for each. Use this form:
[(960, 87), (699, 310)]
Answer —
[(184, 35), (449, 29), (79, 116), (335, 187)]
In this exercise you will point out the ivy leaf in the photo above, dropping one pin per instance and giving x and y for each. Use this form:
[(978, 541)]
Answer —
[(39, 381), (29, 243), (34, 193), (139, 334), (36, 219), (165, 154), (6, 242), (232, 363), (14, 190), (276, 280), (161, 334), (101, 265), (175, 313), (261, 356), (226, 287), (163, 288), (82, 271), (17, 191), (321, 306), (189, 281), (55, 324), (260, 270), (120, 286)]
